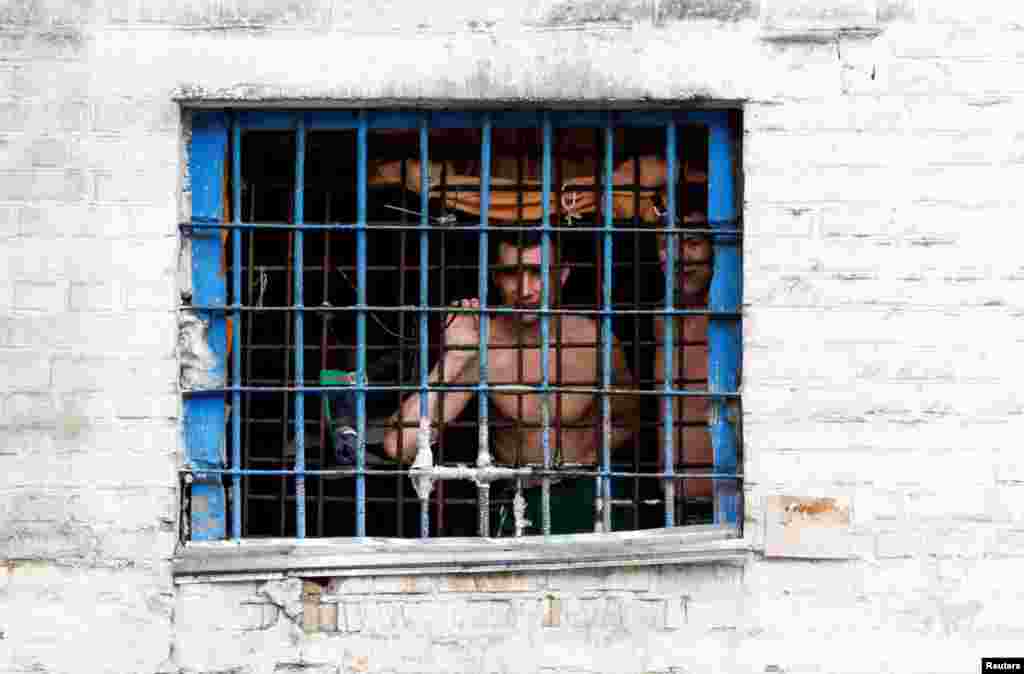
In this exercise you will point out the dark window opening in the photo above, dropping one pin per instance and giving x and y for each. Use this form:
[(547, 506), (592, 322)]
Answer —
[(300, 271)]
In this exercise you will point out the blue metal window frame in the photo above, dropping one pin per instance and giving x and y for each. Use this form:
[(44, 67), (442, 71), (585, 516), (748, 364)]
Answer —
[(205, 414)]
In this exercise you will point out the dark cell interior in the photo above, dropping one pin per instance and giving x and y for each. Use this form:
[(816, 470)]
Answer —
[(327, 262)]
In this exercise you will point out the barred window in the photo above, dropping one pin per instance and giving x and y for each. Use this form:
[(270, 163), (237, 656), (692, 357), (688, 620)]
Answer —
[(420, 324)]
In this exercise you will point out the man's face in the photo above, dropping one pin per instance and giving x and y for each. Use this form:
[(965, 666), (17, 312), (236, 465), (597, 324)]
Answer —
[(520, 280), (693, 265)]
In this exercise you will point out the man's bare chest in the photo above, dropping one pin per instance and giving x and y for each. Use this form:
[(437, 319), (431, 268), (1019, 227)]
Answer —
[(569, 367)]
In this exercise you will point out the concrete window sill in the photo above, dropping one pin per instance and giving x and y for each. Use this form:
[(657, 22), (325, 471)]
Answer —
[(253, 559)]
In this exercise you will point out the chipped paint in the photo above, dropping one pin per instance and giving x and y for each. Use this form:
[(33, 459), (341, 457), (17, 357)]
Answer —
[(819, 36), (807, 527), (199, 367), (286, 595), (718, 10)]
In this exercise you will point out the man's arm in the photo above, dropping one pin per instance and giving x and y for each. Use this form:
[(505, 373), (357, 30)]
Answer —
[(454, 367), (625, 408)]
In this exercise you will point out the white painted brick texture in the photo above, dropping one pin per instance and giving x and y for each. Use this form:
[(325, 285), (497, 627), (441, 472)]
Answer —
[(883, 324)]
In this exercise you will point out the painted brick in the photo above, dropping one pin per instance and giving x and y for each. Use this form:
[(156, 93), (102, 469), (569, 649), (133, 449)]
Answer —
[(9, 216), (98, 260), (101, 468), (58, 220), (49, 152), (48, 79), (941, 77), (134, 375), (97, 297), (46, 297), (65, 115), (155, 333), (503, 582), (120, 116), (44, 185), (20, 371), (138, 151), (6, 296), (153, 187), (33, 409), (122, 405)]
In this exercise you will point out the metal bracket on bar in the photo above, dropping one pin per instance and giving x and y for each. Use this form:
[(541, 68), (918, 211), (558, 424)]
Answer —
[(519, 510), (483, 457), (191, 228), (421, 471), (460, 471)]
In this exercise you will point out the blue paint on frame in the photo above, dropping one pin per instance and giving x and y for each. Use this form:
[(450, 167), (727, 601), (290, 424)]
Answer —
[(723, 333), (205, 414)]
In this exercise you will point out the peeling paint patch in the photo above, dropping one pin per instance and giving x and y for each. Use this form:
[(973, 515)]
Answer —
[(306, 667), (239, 16), (815, 528), (718, 10), (285, 595), (782, 37), (198, 362), (597, 11), (610, 12), (64, 37), (895, 10)]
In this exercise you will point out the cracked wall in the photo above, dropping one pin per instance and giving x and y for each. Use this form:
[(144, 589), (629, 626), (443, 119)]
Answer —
[(882, 144)]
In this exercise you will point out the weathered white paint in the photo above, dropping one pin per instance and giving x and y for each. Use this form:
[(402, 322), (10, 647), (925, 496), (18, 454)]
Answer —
[(882, 154), (198, 362)]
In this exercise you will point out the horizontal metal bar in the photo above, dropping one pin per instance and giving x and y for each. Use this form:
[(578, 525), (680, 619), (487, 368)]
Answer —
[(491, 388), (274, 268), (473, 227), (512, 473), (404, 119), (412, 308)]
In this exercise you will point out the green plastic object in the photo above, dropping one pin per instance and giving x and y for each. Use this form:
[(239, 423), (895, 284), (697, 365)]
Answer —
[(334, 378)]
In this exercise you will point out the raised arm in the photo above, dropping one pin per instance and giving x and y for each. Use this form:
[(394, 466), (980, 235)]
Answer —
[(624, 411), (458, 366), (625, 408)]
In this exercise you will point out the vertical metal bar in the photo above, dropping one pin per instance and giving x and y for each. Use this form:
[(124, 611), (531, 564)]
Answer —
[(723, 334), (236, 333), (250, 318), (325, 319), (483, 449), (300, 343), (288, 329), (402, 271), (424, 331), (442, 254), (361, 160), (637, 424), (545, 337), (559, 451), (520, 278), (668, 402), (606, 324)]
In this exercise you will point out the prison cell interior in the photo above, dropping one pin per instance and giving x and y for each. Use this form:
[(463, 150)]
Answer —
[(339, 242)]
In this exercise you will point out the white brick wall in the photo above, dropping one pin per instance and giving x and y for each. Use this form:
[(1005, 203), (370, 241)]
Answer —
[(882, 155)]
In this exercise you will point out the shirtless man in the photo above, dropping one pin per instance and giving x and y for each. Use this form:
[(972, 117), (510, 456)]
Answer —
[(692, 441), (514, 349)]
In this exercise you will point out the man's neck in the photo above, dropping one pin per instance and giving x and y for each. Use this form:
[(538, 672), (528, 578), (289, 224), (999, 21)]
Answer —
[(527, 333)]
